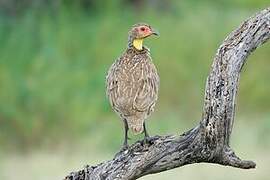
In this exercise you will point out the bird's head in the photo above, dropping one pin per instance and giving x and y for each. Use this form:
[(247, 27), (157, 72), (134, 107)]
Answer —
[(138, 33)]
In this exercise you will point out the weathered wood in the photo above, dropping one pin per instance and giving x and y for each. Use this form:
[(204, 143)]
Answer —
[(209, 141)]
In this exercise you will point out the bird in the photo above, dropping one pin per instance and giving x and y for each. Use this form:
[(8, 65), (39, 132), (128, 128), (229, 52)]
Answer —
[(132, 82)]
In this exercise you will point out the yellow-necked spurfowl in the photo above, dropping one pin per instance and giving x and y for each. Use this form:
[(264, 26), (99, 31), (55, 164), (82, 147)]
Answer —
[(132, 82)]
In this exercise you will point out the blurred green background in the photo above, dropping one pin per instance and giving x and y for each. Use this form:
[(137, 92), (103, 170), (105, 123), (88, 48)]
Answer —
[(54, 55)]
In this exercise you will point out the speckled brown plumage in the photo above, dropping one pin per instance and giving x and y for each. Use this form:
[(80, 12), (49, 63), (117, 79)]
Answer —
[(132, 84)]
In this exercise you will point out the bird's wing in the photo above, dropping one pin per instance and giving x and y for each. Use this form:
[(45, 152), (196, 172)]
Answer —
[(147, 90), (112, 84), (132, 89), (119, 88)]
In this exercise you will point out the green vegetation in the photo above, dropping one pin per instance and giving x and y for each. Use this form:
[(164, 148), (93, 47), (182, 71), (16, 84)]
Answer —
[(53, 67)]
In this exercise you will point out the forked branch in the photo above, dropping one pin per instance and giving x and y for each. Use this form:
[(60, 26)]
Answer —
[(209, 141)]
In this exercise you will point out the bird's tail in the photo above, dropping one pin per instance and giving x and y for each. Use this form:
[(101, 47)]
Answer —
[(135, 124)]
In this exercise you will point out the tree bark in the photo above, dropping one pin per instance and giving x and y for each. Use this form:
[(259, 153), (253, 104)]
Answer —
[(209, 141)]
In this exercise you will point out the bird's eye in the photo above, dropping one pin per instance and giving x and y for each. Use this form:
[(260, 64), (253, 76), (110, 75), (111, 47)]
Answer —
[(142, 29)]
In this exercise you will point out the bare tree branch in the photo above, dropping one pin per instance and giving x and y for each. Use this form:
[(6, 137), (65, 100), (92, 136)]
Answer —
[(209, 141)]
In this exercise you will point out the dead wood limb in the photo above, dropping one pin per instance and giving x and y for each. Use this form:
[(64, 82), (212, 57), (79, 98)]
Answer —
[(209, 141)]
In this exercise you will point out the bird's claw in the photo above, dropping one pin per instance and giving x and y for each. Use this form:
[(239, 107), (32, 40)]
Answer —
[(123, 149), (148, 140)]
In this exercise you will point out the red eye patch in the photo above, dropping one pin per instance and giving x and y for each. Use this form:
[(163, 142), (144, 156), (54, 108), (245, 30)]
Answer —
[(142, 28)]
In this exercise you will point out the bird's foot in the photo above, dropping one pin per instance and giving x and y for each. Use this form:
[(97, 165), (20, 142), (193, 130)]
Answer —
[(124, 149), (149, 140), (125, 145)]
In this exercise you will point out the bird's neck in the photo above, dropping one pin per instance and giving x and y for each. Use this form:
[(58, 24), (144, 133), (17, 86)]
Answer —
[(135, 43), (138, 44)]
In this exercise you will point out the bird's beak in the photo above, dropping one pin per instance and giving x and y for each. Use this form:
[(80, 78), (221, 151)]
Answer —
[(155, 32)]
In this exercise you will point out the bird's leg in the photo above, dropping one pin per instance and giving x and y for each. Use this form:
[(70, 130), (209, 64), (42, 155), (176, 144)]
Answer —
[(146, 135), (147, 139), (125, 145)]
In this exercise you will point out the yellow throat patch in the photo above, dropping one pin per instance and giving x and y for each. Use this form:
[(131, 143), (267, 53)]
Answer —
[(138, 44)]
